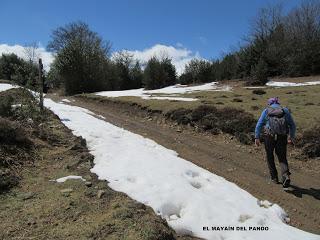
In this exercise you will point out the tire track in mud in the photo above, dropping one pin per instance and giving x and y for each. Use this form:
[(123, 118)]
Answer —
[(246, 169)]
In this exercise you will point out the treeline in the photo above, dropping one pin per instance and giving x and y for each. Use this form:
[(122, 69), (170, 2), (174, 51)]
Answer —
[(278, 45), (22, 72)]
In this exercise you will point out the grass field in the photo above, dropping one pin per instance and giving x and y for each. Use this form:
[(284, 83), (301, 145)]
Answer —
[(303, 102)]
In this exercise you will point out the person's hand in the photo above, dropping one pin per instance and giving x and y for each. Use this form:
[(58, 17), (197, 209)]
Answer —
[(257, 142), (291, 141)]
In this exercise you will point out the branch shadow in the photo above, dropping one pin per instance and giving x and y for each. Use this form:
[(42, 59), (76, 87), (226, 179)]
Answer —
[(299, 192)]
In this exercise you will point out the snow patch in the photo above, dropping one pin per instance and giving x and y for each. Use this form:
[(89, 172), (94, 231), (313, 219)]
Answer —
[(6, 86), (159, 178), (171, 98), (291, 84), (175, 89), (256, 87), (63, 179), (66, 100), (15, 106)]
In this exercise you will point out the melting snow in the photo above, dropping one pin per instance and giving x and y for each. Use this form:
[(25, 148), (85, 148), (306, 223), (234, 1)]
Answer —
[(6, 86), (63, 179), (291, 84), (187, 196), (255, 87), (176, 89), (171, 98)]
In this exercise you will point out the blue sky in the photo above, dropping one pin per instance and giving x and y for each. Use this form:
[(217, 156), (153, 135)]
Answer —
[(204, 27)]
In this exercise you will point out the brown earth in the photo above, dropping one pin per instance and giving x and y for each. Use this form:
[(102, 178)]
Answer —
[(222, 155), (39, 208)]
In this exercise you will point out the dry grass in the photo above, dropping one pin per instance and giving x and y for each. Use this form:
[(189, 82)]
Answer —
[(303, 102), (297, 79)]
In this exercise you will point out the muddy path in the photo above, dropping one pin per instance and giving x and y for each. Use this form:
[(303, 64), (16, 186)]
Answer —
[(222, 155)]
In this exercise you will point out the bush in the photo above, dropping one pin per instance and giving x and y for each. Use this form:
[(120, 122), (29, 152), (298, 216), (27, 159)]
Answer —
[(28, 110), (209, 122), (310, 142), (5, 105), (208, 118), (236, 120), (180, 115), (31, 111), (14, 148), (237, 100), (259, 92), (202, 111), (7, 180), (12, 134)]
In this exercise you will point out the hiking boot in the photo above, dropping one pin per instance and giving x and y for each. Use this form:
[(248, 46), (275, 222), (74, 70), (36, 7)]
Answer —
[(274, 180), (286, 182)]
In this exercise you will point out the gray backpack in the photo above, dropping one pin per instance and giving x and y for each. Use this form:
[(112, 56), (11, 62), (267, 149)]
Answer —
[(277, 121)]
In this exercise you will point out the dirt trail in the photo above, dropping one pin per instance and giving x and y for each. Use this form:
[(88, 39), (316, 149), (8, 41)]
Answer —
[(224, 156), (37, 207)]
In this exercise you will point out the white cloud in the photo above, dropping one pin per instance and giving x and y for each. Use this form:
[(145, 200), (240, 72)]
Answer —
[(180, 56), (20, 51)]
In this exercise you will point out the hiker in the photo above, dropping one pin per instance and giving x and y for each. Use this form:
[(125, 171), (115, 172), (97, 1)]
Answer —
[(278, 123)]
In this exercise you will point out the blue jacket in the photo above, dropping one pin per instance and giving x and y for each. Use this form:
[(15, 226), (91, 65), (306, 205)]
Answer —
[(263, 121)]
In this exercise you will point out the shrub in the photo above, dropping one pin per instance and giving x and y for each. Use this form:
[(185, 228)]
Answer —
[(14, 150), (180, 115), (5, 105), (7, 180), (30, 111), (310, 142), (259, 92), (236, 120), (202, 111), (11, 133), (208, 118), (237, 100), (209, 122)]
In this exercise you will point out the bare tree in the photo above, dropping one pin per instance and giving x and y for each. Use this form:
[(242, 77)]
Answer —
[(124, 57), (304, 22), (32, 52), (266, 22)]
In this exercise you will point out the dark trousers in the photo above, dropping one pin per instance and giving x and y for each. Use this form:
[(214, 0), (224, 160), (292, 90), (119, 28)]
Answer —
[(278, 144)]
